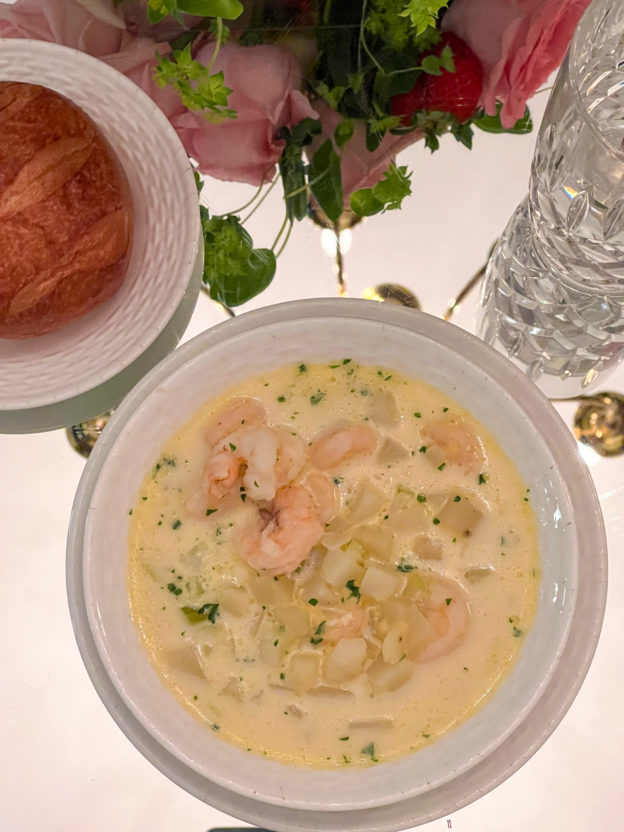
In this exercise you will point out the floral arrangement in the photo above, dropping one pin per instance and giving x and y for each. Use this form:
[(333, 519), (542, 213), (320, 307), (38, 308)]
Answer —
[(317, 95)]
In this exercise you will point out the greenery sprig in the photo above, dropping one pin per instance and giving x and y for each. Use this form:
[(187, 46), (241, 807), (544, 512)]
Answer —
[(367, 52)]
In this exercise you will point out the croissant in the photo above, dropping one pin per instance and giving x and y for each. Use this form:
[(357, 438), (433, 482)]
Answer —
[(66, 213)]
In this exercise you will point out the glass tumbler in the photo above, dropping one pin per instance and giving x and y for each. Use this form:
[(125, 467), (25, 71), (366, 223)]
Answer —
[(553, 297)]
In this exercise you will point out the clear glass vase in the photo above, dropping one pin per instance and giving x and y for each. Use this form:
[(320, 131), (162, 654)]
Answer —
[(553, 297)]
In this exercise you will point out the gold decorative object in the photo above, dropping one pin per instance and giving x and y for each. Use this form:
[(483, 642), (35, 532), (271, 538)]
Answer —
[(83, 436), (599, 423), (454, 303), (392, 293), (206, 290)]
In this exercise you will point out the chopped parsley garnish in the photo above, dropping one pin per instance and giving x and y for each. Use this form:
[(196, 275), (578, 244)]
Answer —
[(210, 511), (442, 466), (346, 360), (144, 498), (256, 484), (483, 478), (353, 589), (343, 739), (176, 524), (302, 368), (423, 449), (281, 398), (418, 415), (517, 633), (276, 642), (313, 601), (406, 567), (448, 601), (317, 638), (207, 612), (130, 512), (444, 409), (456, 499), (216, 727), (282, 675), (436, 521), (338, 480), (232, 447), (421, 498), (317, 397), (175, 589), (426, 736), (369, 751)]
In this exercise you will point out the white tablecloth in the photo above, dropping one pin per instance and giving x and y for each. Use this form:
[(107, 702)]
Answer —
[(65, 765)]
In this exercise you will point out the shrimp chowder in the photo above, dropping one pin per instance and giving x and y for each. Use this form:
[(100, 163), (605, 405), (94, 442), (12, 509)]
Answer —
[(333, 565)]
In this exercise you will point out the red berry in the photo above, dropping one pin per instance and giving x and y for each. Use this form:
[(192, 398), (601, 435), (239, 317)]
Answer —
[(456, 92)]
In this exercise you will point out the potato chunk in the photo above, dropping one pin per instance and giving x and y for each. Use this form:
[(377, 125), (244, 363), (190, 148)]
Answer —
[(340, 566), (377, 540), (427, 547), (303, 672), (366, 501), (391, 451), (234, 599), (393, 649), (460, 516), (380, 583), (295, 620), (384, 409), (387, 677), (269, 591), (346, 660), (419, 635)]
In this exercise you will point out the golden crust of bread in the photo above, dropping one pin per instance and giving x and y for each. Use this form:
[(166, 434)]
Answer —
[(65, 213)]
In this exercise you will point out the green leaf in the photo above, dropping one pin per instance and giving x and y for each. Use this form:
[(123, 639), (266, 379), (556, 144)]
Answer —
[(431, 65), (229, 9), (492, 124), (157, 9), (303, 133), (234, 270), (332, 95), (393, 188), (364, 204), (446, 59), (197, 88), (423, 13), (343, 132), (325, 180), (463, 133), (386, 195), (292, 171)]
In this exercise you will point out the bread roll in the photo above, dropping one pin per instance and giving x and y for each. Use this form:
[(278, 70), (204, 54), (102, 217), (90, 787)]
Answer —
[(65, 213)]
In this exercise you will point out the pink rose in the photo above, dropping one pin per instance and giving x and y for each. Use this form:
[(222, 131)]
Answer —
[(265, 80), (519, 43), (90, 26), (360, 167)]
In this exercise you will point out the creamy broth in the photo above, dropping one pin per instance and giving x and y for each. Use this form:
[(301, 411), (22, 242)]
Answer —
[(372, 641)]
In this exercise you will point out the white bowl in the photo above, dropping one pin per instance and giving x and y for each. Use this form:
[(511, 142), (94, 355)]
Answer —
[(471, 759), (46, 381)]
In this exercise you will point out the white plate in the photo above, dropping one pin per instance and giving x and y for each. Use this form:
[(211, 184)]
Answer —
[(81, 356), (470, 760)]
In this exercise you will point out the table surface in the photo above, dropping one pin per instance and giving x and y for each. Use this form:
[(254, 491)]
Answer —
[(65, 763)]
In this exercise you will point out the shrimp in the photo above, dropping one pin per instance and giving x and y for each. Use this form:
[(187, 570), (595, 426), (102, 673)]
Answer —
[(350, 624), (291, 456), (258, 459), (236, 413), (284, 534), (448, 612), (325, 495), (455, 443), (334, 447)]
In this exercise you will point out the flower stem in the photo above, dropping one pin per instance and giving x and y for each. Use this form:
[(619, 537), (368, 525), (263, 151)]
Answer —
[(217, 43), (260, 201), (283, 245), (280, 232)]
